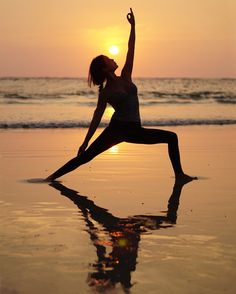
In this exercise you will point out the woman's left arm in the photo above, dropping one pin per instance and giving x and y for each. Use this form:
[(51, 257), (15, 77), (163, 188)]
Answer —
[(97, 116), (128, 67)]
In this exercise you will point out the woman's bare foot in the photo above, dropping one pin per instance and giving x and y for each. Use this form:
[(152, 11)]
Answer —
[(49, 179), (184, 179)]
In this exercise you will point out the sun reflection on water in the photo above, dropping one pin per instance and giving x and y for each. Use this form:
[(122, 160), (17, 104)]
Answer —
[(114, 149)]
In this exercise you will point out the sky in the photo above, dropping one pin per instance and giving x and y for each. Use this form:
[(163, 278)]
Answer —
[(174, 38)]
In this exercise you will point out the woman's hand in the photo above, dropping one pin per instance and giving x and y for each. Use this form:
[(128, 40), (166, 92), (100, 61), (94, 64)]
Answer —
[(130, 17), (82, 148)]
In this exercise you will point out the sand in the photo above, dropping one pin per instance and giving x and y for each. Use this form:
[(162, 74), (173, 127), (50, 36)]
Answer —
[(106, 227)]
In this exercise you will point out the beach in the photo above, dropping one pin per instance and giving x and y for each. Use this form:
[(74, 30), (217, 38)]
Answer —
[(107, 227)]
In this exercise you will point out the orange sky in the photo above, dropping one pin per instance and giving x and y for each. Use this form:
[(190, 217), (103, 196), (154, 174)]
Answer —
[(175, 38)]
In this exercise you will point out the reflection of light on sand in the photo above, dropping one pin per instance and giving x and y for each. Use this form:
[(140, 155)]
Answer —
[(108, 112), (114, 149)]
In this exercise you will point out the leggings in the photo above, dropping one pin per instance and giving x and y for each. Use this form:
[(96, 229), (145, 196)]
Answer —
[(131, 132)]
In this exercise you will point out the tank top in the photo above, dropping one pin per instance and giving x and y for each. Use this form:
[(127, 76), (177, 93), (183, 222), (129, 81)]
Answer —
[(126, 105)]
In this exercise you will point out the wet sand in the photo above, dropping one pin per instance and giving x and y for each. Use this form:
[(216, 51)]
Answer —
[(118, 224)]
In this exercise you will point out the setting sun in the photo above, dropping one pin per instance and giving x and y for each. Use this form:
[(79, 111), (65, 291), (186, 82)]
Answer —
[(114, 50)]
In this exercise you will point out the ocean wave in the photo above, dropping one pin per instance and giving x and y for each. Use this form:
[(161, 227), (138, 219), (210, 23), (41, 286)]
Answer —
[(85, 124), (34, 96), (15, 96), (190, 97), (146, 98), (77, 97)]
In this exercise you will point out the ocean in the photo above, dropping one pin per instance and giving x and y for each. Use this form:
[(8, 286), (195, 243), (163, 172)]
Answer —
[(69, 102), (120, 223)]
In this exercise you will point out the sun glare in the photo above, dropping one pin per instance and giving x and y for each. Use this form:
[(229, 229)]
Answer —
[(114, 50), (114, 149)]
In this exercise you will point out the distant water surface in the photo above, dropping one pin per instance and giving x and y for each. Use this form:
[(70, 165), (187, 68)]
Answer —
[(69, 102)]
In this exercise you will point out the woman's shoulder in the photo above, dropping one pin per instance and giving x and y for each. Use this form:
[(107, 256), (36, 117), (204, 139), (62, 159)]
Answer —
[(125, 79)]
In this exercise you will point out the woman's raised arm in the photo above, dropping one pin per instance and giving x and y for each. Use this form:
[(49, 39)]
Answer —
[(97, 116), (128, 67)]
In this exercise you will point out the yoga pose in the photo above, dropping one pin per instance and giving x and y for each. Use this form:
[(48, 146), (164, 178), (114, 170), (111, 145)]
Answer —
[(125, 125)]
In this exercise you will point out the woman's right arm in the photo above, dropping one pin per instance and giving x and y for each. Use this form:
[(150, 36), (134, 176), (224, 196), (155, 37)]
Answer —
[(97, 116), (128, 67)]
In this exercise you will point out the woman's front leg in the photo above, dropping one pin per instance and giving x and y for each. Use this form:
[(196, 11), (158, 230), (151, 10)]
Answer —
[(156, 136)]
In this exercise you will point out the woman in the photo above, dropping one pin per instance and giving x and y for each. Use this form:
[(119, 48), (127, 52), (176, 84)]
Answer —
[(125, 125)]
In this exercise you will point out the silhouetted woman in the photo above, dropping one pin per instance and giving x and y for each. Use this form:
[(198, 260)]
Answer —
[(125, 125)]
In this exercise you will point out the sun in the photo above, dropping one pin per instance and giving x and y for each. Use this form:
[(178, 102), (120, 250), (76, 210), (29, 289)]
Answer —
[(114, 50)]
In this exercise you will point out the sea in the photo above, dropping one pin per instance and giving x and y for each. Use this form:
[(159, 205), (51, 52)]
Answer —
[(46, 102)]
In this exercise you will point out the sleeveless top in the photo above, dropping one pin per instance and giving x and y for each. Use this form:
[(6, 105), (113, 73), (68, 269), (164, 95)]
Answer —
[(126, 105)]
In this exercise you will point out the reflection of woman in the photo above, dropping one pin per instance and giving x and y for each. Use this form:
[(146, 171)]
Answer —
[(117, 254), (125, 126)]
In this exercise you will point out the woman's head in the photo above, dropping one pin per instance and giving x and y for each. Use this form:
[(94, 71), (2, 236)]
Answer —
[(99, 69)]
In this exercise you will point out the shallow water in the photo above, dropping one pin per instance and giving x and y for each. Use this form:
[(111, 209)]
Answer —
[(110, 229)]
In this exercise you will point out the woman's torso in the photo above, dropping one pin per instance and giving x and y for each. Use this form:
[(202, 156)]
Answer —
[(123, 97)]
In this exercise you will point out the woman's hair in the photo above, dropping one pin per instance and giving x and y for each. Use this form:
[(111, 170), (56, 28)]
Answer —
[(96, 74)]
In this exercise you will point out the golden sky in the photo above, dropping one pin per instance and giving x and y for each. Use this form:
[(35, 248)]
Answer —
[(175, 38)]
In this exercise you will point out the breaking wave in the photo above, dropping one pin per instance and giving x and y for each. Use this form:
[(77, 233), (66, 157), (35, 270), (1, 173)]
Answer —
[(85, 124)]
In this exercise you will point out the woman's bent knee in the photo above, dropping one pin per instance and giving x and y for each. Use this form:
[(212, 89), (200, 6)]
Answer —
[(173, 137)]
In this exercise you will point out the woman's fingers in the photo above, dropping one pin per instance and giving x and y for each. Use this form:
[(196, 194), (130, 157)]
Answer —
[(130, 16)]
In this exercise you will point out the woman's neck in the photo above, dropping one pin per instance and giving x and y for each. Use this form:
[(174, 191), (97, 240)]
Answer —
[(111, 77)]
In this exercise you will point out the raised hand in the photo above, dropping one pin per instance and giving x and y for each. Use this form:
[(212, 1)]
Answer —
[(130, 17)]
